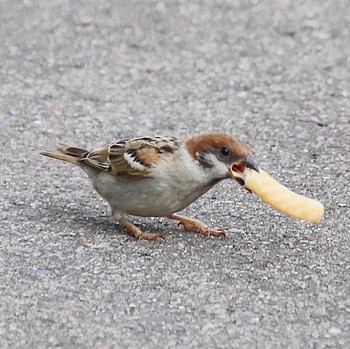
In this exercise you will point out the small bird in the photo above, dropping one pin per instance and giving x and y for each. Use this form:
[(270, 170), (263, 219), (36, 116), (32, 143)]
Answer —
[(160, 176)]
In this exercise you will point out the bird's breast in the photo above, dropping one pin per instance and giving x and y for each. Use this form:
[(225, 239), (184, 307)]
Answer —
[(150, 196)]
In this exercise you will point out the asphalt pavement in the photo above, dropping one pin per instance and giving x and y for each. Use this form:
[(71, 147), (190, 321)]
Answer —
[(276, 74)]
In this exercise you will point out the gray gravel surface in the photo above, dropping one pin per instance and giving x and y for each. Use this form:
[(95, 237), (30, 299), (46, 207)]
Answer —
[(91, 72)]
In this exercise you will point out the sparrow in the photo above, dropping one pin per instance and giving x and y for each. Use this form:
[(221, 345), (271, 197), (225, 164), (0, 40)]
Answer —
[(160, 176)]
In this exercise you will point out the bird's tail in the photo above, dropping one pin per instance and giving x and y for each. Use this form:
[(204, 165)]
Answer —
[(68, 153)]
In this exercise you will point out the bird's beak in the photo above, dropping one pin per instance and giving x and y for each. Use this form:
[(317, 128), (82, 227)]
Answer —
[(238, 168)]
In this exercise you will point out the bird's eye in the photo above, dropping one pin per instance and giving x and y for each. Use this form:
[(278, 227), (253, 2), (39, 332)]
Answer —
[(225, 151)]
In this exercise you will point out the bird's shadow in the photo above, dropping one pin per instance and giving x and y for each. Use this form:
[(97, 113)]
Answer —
[(79, 218)]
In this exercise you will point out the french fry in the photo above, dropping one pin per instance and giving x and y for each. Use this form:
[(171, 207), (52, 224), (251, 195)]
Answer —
[(281, 198)]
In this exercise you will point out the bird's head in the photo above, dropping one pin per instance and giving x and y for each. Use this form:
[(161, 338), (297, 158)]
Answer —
[(221, 155)]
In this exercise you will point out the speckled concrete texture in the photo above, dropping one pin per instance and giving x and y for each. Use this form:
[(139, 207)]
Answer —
[(276, 74)]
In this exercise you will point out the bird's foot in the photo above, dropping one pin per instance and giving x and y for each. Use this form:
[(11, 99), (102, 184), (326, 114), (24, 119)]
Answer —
[(197, 226), (136, 232)]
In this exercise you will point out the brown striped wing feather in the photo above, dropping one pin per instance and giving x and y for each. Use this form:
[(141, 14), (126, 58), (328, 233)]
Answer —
[(130, 158)]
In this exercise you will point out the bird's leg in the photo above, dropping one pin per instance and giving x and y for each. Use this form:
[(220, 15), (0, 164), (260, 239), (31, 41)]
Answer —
[(196, 226), (133, 230)]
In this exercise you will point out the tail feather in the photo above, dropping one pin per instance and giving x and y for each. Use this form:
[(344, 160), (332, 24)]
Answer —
[(66, 153)]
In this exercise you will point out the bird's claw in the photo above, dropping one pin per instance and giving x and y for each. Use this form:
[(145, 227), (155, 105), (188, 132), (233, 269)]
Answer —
[(201, 228)]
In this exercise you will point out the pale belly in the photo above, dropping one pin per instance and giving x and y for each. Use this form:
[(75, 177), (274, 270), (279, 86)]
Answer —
[(148, 197)]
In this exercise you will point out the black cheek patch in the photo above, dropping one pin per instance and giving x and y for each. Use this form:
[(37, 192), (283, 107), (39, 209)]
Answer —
[(204, 161)]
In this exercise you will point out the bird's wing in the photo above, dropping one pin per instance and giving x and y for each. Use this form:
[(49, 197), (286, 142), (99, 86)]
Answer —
[(131, 158)]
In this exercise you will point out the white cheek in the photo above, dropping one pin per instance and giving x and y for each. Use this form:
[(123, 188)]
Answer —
[(219, 169)]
